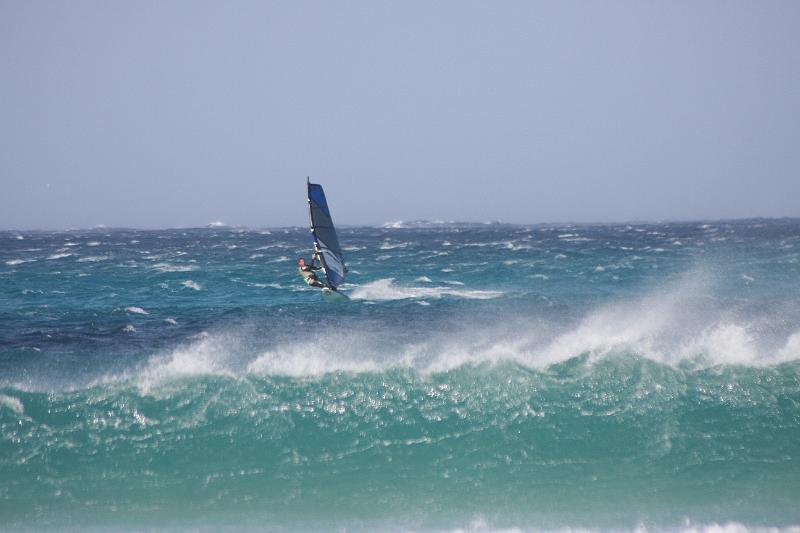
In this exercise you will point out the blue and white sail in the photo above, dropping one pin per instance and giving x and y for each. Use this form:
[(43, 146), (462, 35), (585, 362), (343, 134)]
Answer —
[(326, 243)]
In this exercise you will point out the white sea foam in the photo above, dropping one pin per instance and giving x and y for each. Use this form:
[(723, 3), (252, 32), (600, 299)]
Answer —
[(136, 310), (10, 402), (397, 224), (189, 284), (171, 321), (386, 245), (93, 258), (669, 325), (14, 262), (129, 329), (168, 267), (32, 291), (791, 350), (725, 343), (207, 355), (311, 359), (386, 289)]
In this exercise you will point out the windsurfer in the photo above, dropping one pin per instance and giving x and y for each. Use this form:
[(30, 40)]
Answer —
[(308, 272)]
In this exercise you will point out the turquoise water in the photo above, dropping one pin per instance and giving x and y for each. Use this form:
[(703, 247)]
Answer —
[(483, 377)]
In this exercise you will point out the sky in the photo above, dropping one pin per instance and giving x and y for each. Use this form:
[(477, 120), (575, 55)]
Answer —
[(173, 113)]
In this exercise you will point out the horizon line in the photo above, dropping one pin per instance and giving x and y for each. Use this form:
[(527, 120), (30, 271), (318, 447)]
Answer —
[(395, 224)]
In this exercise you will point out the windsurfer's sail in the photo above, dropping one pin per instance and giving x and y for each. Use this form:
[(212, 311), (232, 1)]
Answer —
[(326, 243)]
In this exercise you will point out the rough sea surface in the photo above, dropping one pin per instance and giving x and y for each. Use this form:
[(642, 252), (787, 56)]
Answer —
[(483, 377)]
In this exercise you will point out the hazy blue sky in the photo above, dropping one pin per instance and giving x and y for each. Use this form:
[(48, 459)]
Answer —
[(178, 113)]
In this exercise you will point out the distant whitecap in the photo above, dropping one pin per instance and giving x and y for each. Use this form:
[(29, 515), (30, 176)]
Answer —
[(189, 284)]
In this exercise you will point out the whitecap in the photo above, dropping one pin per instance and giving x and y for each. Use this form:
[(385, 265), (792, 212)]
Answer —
[(791, 351), (306, 359), (189, 284), (129, 329), (14, 262), (397, 224), (723, 343), (391, 246), (136, 310), (32, 291), (93, 258), (167, 267), (15, 404)]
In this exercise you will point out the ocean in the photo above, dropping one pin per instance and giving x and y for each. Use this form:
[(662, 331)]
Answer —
[(483, 377)]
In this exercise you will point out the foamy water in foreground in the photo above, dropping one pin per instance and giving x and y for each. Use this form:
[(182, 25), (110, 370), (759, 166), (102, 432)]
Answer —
[(482, 378)]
